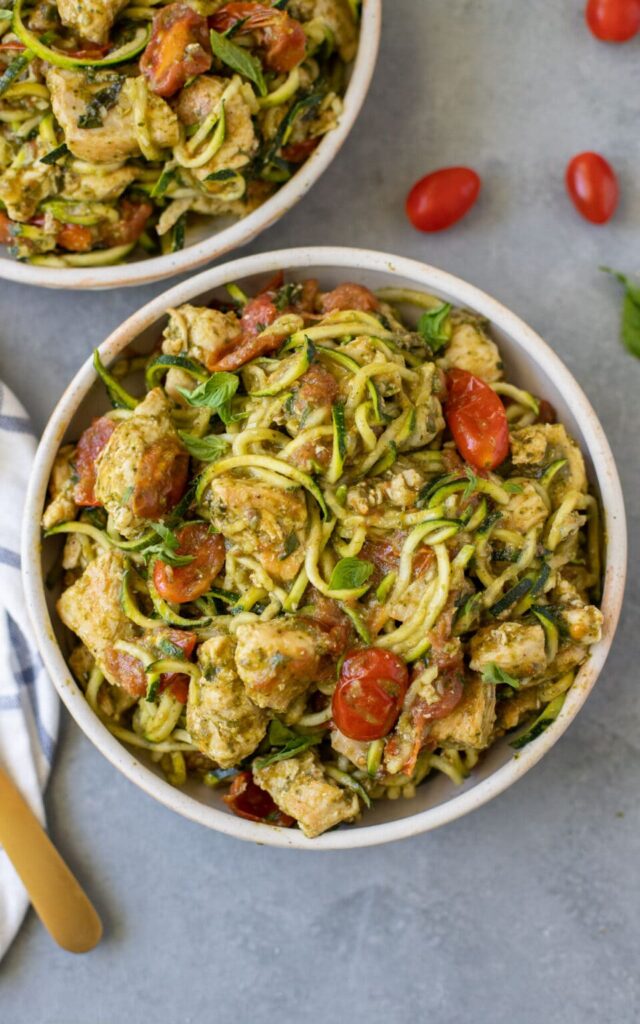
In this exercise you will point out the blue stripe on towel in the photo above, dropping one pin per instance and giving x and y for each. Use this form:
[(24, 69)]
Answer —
[(11, 558), (26, 674)]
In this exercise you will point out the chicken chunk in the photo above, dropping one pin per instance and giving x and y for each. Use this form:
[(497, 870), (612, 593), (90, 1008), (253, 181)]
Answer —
[(300, 788), (222, 720), (102, 188), (260, 520), (336, 15), (400, 489), (198, 100), (23, 188), (544, 443), (584, 624), (116, 138), (517, 648), (470, 725), (120, 462), (278, 660), (91, 19), (91, 606), (471, 349), (200, 333), (525, 510), (61, 505)]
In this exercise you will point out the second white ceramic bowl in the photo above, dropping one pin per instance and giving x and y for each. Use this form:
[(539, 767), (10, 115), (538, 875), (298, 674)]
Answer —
[(207, 240), (530, 363)]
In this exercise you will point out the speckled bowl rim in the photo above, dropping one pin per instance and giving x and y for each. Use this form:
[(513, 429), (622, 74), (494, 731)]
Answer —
[(146, 271), (530, 346)]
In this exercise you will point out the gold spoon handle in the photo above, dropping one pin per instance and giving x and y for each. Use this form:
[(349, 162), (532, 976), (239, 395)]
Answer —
[(59, 901)]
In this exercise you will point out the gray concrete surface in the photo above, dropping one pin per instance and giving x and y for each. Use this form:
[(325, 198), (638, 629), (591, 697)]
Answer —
[(526, 911)]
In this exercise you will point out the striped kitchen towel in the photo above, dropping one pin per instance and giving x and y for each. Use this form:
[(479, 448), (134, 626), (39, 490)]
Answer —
[(29, 708)]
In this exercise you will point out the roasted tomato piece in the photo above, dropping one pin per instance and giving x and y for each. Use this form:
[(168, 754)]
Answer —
[(133, 217), (369, 695), (349, 296), (187, 582), (546, 412), (179, 48), (297, 152), (476, 418), (450, 686), (91, 443), (6, 238), (178, 682), (247, 800), (75, 238), (258, 314), (161, 479), (280, 36)]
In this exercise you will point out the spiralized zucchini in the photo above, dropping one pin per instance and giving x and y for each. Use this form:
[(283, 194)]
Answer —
[(326, 510)]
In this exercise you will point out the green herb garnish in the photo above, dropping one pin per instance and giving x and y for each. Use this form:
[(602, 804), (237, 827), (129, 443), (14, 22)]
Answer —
[(205, 449), (350, 574), (238, 59), (435, 326), (492, 673), (630, 322)]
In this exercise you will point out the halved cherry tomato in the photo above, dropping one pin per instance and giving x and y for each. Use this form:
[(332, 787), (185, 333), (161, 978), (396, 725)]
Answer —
[(281, 36), (349, 296), (247, 800), (133, 217), (369, 694), (6, 238), (259, 313), (476, 418), (187, 582), (161, 479), (178, 49), (613, 21), (328, 616), (593, 187), (91, 443), (443, 197), (75, 238)]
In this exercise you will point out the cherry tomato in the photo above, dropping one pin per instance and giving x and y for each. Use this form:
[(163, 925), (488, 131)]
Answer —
[(613, 21), (247, 800), (133, 217), (75, 238), (178, 682), (161, 479), (476, 418), (91, 443), (178, 49), (443, 197), (369, 694), (593, 187), (546, 412), (297, 152), (187, 582), (281, 36), (6, 238), (349, 296)]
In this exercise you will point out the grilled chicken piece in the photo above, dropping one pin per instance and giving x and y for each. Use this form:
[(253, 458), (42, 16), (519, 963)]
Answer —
[(517, 648), (278, 660), (544, 443), (115, 139), (259, 520), (61, 504), (300, 788), (471, 349), (91, 19), (198, 100), (222, 720), (91, 606), (200, 333), (471, 723)]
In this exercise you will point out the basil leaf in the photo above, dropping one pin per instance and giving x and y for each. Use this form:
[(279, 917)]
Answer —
[(349, 574), (492, 673), (292, 747), (166, 550), (435, 326), (512, 488), (224, 174), (287, 295), (205, 449), (96, 110), (214, 393), (279, 734), (291, 544), (472, 485), (54, 154), (238, 59), (169, 649), (630, 322)]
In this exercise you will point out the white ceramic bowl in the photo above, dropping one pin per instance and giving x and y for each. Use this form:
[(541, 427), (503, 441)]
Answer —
[(530, 363), (207, 241)]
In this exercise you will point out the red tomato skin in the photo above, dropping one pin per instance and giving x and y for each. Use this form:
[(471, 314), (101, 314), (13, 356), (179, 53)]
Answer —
[(592, 186), (6, 238), (281, 36), (178, 682), (91, 443), (613, 21), (248, 800), (369, 694), (178, 49), (161, 479), (188, 582), (75, 238), (476, 418), (442, 198)]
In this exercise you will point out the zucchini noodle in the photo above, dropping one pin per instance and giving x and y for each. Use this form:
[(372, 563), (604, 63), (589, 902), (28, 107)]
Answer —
[(326, 515)]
